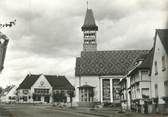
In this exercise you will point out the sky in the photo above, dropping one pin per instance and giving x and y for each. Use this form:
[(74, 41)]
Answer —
[(47, 36)]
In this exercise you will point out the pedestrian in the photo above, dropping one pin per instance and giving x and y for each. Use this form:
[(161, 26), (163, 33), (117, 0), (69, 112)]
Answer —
[(145, 107)]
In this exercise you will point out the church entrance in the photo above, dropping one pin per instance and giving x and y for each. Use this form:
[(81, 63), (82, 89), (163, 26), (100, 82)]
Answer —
[(86, 93)]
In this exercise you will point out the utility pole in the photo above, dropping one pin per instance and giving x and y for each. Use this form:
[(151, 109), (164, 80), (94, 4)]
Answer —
[(4, 42)]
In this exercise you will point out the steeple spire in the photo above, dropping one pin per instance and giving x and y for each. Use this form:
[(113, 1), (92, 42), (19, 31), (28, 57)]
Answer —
[(89, 29), (89, 22)]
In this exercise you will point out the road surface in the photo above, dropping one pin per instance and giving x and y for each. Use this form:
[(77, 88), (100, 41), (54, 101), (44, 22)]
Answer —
[(36, 111)]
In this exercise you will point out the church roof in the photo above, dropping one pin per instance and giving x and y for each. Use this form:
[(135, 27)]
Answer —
[(163, 35), (57, 82), (100, 63), (146, 63), (89, 22)]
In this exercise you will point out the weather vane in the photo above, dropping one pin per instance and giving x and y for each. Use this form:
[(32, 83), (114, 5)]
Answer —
[(10, 24)]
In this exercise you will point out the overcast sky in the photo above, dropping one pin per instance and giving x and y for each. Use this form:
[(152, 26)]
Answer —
[(47, 36)]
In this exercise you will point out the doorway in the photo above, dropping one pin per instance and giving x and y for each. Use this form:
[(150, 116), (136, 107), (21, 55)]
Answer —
[(47, 99)]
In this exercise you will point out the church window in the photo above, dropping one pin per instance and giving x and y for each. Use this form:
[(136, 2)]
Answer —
[(106, 90), (116, 89)]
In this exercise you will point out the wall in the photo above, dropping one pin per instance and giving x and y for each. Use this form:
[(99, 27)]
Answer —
[(95, 81), (42, 83), (162, 75), (89, 80)]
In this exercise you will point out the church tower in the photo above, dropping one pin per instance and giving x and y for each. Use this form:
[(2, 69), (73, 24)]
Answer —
[(89, 29)]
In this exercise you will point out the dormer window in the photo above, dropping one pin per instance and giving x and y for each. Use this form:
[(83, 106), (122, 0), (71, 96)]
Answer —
[(138, 62)]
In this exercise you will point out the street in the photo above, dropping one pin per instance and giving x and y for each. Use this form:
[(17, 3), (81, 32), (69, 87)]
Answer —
[(29, 110), (35, 111)]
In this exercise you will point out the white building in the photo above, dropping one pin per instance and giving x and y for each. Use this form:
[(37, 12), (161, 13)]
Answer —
[(44, 89), (124, 94), (99, 72), (140, 83), (160, 71), (136, 86), (9, 95)]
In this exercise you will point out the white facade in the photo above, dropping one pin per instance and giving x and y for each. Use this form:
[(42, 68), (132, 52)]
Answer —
[(97, 83), (42, 83), (135, 89), (41, 91), (9, 97), (159, 73), (140, 84)]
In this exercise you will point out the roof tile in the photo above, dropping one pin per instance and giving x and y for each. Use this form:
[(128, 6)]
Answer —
[(114, 62), (57, 82)]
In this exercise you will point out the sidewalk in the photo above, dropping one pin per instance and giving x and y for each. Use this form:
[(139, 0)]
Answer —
[(105, 112)]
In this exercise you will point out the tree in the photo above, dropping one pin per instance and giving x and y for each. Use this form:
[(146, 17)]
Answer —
[(71, 95), (59, 96)]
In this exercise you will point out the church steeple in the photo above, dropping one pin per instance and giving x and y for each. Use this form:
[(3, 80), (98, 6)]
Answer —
[(89, 29)]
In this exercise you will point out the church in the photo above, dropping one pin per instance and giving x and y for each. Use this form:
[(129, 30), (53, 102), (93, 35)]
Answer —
[(97, 73)]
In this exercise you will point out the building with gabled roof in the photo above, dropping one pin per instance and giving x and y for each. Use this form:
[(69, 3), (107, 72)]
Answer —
[(159, 72), (39, 88), (8, 94), (140, 83), (101, 70), (136, 85)]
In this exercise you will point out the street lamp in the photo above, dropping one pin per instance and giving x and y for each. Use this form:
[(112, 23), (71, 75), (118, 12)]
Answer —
[(3, 46)]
